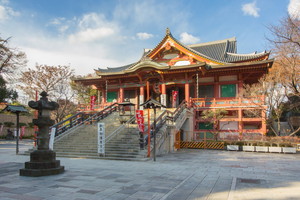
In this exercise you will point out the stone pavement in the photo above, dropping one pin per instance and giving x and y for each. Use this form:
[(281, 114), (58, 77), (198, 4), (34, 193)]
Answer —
[(186, 174)]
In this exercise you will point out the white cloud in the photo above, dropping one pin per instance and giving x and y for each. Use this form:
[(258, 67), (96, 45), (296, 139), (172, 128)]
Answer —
[(83, 63), (57, 21), (7, 12), (2, 13), (93, 27), (188, 38), (250, 9), (144, 36), (91, 35), (294, 9)]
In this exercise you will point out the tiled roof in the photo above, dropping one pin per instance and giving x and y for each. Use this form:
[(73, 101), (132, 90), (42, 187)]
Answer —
[(116, 69), (225, 51), (122, 68)]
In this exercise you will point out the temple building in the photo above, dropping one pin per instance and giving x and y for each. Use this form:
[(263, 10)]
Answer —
[(206, 76)]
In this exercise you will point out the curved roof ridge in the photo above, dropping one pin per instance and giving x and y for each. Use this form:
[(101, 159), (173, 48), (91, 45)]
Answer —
[(248, 54), (232, 39)]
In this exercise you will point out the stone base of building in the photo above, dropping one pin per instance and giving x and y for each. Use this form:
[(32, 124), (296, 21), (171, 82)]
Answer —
[(42, 163)]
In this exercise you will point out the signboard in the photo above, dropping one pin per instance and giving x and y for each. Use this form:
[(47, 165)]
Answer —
[(139, 115), (93, 100), (101, 138), (52, 135)]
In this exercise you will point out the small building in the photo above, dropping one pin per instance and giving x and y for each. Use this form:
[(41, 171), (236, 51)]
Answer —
[(207, 76)]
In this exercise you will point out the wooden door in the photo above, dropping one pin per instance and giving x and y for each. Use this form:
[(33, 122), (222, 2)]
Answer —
[(177, 140)]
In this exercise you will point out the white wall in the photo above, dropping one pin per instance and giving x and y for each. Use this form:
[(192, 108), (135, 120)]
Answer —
[(229, 125)]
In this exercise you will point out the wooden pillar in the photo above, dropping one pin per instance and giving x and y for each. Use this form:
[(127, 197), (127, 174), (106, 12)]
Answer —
[(240, 116), (217, 87), (141, 96), (163, 96), (136, 99), (121, 94), (148, 90), (187, 92), (103, 96), (240, 84), (263, 121), (98, 98)]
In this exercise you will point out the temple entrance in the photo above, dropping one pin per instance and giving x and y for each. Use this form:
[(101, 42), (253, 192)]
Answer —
[(175, 95)]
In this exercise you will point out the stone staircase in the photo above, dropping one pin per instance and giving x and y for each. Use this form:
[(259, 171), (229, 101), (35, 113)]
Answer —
[(83, 142), (125, 146)]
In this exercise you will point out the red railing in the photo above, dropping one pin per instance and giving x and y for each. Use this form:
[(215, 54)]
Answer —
[(227, 102)]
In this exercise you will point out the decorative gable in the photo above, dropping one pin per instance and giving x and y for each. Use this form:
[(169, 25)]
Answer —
[(170, 52)]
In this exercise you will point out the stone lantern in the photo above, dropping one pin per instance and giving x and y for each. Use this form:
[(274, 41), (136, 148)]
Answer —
[(43, 160)]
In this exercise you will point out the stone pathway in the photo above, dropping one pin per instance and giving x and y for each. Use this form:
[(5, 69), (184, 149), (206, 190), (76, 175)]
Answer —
[(186, 174)]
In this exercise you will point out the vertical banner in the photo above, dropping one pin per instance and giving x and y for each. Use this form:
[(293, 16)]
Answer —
[(139, 115), (101, 138), (52, 135), (22, 132), (92, 102), (174, 98)]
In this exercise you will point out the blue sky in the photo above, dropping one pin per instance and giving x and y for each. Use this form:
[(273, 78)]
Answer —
[(87, 34)]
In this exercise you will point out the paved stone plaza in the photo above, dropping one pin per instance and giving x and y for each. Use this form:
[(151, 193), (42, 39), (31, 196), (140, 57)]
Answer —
[(186, 174)]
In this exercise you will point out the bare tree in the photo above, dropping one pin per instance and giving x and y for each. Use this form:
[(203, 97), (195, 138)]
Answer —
[(55, 80), (283, 80), (286, 50), (11, 59)]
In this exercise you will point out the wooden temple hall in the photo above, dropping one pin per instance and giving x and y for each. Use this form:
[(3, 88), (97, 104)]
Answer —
[(207, 76)]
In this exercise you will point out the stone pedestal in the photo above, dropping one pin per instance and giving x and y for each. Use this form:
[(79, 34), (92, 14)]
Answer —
[(42, 163)]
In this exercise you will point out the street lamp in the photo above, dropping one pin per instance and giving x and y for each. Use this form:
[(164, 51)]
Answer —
[(17, 110), (152, 104)]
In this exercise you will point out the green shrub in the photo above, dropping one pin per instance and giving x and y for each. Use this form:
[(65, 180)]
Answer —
[(30, 124), (22, 124), (9, 124), (28, 137)]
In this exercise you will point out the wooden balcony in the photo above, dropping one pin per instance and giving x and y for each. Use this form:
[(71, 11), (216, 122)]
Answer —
[(231, 102)]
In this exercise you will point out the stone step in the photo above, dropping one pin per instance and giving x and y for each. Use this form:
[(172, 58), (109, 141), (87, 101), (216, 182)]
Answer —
[(122, 146), (76, 145), (122, 152), (76, 151), (124, 155), (76, 154)]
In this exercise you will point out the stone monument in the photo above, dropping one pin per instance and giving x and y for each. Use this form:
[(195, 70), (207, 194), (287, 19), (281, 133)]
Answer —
[(43, 160)]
